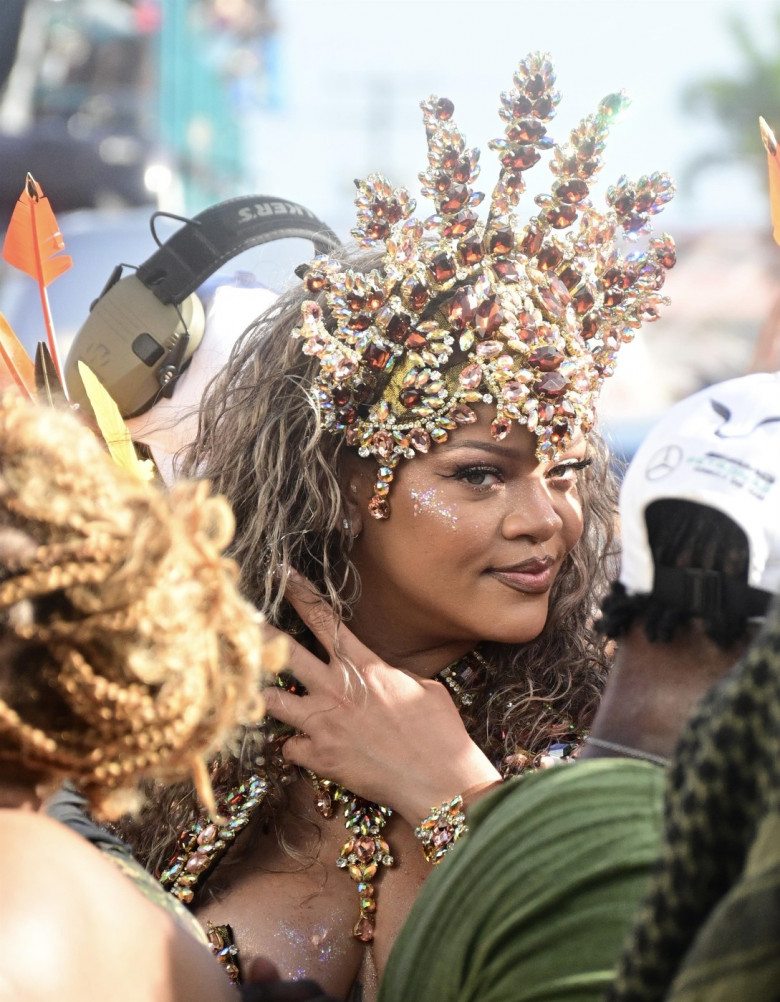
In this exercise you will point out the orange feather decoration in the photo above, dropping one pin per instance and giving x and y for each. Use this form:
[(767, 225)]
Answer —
[(33, 243), (773, 165)]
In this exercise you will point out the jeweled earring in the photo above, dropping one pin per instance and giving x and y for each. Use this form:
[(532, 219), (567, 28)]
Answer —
[(378, 508)]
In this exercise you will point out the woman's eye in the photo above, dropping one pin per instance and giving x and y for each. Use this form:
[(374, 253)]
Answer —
[(569, 469), (478, 476)]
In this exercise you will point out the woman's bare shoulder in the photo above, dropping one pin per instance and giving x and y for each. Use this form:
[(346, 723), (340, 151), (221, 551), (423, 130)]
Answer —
[(75, 927)]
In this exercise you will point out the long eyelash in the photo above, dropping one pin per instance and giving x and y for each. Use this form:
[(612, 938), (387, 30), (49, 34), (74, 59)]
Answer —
[(471, 469), (573, 464)]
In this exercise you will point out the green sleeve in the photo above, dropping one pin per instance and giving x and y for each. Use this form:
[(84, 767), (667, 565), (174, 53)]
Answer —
[(535, 901)]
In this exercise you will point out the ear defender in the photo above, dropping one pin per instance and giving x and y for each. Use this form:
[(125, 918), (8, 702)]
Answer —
[(135, 344), (144, 328)]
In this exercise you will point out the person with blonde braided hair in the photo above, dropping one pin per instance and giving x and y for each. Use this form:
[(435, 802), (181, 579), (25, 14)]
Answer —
[(119, 600), (125, 652)]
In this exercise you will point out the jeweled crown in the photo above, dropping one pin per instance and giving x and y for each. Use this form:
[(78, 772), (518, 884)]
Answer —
[(527, 316)]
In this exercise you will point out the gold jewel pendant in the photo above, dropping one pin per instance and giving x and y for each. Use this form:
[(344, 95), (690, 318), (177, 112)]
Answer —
[(203, 844), (364, 852)]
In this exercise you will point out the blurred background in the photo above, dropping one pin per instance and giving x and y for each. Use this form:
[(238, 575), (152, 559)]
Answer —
[(121, 107)]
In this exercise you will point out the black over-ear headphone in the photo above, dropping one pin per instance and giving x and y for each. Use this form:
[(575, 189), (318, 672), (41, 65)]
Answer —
[(143, 329)]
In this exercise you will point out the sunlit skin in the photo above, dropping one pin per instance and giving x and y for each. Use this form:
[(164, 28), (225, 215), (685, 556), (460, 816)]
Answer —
[(50, 874), (75, 926), (477, 534)]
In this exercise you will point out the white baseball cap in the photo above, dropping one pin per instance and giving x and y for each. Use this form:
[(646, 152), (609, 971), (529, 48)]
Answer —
[(719, 447)]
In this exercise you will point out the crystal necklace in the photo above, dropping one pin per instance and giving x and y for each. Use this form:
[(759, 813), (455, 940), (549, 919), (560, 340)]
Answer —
[(365, 851), (202, 845)]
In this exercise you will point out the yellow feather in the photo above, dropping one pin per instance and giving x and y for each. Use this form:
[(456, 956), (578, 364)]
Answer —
[(112, 426), (773, 165)]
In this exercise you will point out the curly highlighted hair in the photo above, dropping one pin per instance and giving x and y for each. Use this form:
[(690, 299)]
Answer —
[(127, 651), (262, 446)]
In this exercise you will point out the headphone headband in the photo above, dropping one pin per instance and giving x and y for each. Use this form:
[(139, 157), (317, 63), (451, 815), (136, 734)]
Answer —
[(143, 329), (205, 242)]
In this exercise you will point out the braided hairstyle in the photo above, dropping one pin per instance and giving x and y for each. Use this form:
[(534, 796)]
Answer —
[(683, 534), (125, 649), (723, 776)]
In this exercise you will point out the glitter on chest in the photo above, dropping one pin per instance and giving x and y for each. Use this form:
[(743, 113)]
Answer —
[(316, 945)]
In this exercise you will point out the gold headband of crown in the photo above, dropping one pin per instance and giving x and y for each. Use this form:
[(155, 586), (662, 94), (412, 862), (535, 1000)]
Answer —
[(527, 317)]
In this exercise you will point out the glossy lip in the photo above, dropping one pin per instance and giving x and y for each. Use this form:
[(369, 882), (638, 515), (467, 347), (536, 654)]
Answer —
[(534, 577)]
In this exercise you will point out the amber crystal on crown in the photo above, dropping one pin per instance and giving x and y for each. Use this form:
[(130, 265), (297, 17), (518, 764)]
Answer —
[(471, 250), (462, 308), (546, 357)]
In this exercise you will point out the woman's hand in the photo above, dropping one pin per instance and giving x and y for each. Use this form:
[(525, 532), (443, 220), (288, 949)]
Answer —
[(395, 739)]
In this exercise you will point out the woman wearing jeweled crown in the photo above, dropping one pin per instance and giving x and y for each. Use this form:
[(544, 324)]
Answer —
[(406, 440)]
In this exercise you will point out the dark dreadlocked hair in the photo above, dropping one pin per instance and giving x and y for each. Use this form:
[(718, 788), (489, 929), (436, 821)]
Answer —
[(684, 534)]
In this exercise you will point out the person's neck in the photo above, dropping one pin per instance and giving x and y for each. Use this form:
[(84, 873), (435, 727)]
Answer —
[(418, 656), (654, 687)]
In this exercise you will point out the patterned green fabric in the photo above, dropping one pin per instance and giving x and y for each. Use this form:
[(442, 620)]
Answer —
[(737, 953), (718, 861), (533, 904), (151, 888)]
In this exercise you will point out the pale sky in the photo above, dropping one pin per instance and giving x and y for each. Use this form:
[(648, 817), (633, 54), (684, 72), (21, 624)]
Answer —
[(354, 71)]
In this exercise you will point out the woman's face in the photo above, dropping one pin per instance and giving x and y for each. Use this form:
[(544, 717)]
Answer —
[(476, 536)]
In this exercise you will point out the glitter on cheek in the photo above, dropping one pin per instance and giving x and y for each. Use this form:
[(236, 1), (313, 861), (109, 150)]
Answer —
[(428, 502)]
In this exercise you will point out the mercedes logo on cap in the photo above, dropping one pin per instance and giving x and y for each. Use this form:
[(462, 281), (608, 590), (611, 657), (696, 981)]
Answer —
[(664, 462)]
